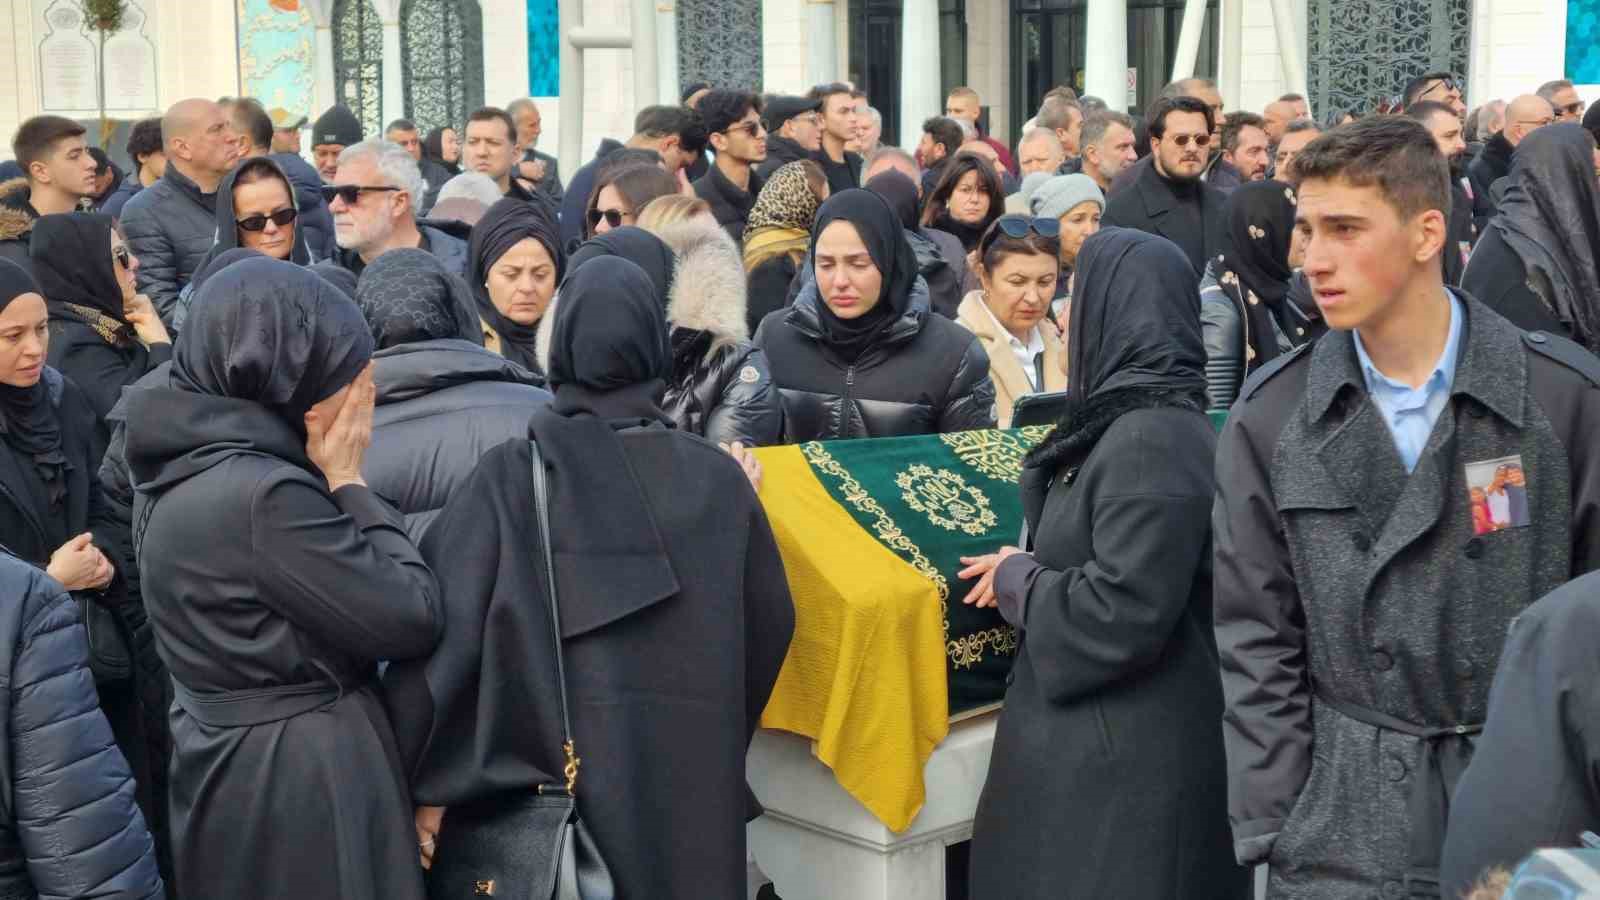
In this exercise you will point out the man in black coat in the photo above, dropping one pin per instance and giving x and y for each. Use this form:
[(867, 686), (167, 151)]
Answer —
[(838, 107), (58, 177), (1442, 123), (538, 169), (676, 134), (733, 122), (1361, 600), (1524, 115), (794, 132), (1168, 198)]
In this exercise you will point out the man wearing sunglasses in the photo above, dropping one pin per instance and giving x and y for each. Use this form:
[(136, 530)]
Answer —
[(1524, 115), (1167, 197), (794, 132), (374, 197), (1439, 87), (733, 120), (1564, 97)]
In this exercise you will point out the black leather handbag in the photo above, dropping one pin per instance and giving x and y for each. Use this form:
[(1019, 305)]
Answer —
[(534, 846)]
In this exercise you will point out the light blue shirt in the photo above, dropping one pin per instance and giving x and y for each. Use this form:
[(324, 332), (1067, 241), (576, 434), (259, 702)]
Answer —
[(1411, 412)]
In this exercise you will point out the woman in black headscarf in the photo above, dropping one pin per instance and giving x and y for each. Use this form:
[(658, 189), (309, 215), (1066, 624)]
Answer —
[(1538, 261), (862, 330), (940, 258), (1246, 315), (1108, 776), (104, 334), (276, 581), (514, 263), (443, 400), (646, 554), (442, 146)]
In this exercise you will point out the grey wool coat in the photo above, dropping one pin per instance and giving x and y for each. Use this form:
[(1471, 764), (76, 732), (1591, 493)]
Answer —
[(1346, 588)]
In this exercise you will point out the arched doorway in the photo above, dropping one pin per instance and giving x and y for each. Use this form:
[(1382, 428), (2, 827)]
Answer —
[(358, 61), (441, 48)]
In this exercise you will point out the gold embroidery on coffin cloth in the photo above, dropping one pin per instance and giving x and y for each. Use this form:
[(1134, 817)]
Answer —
[(997, 454), (964, 652)]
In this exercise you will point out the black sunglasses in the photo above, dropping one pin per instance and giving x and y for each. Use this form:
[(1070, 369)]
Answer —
[(349, 193), (613, 217), (280, 218), (749, 128), (122, 256)]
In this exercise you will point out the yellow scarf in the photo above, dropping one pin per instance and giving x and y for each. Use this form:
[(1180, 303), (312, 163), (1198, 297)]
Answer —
[(765, 243)]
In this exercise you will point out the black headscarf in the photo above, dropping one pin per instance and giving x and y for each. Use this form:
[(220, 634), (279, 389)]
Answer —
[(409, 296), (1135, 330), (1259, 219), (1550, 217), (216, 263), (899, 192), (72, 264), (227, 220), (885, 239), (346, 280), (637, 246), (271, 333), (28, 420), (508, 222), (433, 148)]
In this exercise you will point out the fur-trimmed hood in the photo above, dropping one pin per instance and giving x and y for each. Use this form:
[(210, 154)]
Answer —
[(16, 219), (708, 292)]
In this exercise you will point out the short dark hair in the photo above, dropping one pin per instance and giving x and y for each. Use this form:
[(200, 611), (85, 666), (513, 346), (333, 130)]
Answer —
[(1166, 106), (1235, 122), (824, 91), (403, 125), (959, 166), (721, 109), (495, 114), (626, 158), (249, 118), (102, 162), (37, 138), (1392, 153), (1095, 125), (1423, 110), (662, 121), (997, 245), (1299, 125), (1292, 98), (1416, 86), (144, 138), (945, 132)]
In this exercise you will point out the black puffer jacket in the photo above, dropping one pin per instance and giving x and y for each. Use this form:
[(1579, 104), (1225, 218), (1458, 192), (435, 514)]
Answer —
[(925, 375), (60, 837), (170, 227), (721, 386), (442, 404)]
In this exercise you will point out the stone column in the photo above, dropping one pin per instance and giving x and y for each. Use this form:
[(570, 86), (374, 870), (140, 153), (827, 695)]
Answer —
[(667, 53), (325, 91), (919, 68), (1194, 20), (1106, 62), (394, 85), (822, 50)]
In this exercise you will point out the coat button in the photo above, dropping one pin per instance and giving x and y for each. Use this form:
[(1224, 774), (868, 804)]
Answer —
[(1359, 539), (1394, 767), (1474, 548), (1538, 337), (1382, 661)]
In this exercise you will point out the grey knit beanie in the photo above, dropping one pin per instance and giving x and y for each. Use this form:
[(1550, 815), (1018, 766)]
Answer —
[(1056, 197)]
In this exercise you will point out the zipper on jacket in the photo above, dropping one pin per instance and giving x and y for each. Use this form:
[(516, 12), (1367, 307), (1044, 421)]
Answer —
[(846, 416)]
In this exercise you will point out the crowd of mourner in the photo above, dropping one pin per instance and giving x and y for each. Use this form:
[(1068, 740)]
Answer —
[(342, 496)]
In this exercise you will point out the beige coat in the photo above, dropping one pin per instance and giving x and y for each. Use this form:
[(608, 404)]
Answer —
[(1010, 382)]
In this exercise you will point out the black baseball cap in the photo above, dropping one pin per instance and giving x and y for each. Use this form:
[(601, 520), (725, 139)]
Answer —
[(782, 108)]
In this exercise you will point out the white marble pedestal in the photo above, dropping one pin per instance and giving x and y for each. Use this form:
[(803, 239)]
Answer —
[(817, 843)]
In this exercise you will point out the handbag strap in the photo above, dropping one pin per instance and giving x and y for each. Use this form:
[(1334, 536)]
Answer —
[(541, 504)]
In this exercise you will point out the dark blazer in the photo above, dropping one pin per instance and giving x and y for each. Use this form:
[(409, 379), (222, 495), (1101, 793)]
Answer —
[(1491, 165), (1149, 205), (1460, 234), (1107, 778), (1346, 587)]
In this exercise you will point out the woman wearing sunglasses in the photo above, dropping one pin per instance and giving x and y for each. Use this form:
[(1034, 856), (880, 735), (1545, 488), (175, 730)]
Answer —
[(256, 211), (104, 334), (622, 193), (1017, 271), (860, 353)]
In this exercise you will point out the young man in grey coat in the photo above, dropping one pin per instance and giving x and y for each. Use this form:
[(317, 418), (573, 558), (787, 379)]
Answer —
[(1364, 580)]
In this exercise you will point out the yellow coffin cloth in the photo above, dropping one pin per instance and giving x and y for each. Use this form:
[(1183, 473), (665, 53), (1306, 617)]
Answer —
[(865, 674)]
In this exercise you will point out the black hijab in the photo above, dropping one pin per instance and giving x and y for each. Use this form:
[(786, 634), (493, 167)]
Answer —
[(433, 148), (72, 263), (1134, 340), (1259, 218), (899, 192), (637, 246), (347, 281), (1550, 217), (508, 222), (228, 223), (409, 296), (28, 420), (271, 333), (885, 239)]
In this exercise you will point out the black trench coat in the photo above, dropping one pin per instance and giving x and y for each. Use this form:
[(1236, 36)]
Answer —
[(272, 601)]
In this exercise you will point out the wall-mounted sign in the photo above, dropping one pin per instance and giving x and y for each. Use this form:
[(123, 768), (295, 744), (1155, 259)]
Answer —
[(69, 61)]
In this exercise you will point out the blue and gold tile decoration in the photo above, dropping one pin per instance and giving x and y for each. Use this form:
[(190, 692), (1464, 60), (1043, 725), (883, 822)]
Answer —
[(277, 47), (544, 49), (1583, 41)]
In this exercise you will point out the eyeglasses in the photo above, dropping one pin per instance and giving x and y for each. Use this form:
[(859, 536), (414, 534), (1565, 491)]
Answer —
[(280, 218), (1572, 109), (349, 193), (809, 118), (613, 217), (122, 256), (1200, 140), (1448, 83), (750, 128)]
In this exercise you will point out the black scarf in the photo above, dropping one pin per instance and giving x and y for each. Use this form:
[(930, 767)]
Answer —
[(899, 192), (72, 263), (1550, 217), (968, 235), (228, 223), (433, 149), (1135, 331), (1254, 263), (880, 230), (28, 420), (408, 296), (508, 222), (637, 246)]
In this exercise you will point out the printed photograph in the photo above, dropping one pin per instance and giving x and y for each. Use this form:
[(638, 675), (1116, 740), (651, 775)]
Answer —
[(1499, 491)]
